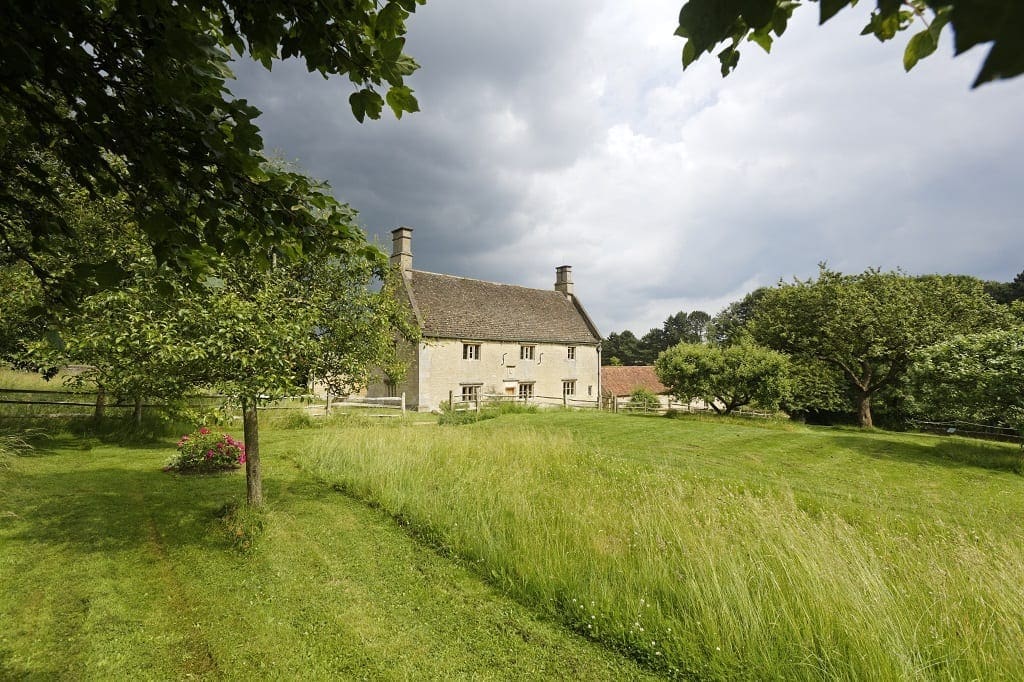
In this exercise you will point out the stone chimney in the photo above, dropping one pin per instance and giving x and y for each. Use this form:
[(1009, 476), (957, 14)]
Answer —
[(401, 248), (563, 279)]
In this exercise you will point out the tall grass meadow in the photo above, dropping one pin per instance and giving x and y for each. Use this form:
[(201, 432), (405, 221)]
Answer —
[(696, 575)]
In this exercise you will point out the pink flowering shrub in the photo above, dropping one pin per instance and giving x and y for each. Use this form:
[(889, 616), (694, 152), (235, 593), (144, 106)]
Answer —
[(203, 451)]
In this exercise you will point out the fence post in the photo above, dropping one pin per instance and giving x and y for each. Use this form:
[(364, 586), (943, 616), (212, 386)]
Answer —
[(451, 400), (101, 402), (327, 406), (565, 399), (477, 401), (403, 403)]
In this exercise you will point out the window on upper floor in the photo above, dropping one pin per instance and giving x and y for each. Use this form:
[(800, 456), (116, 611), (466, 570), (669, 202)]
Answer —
[(471, 351), (526, 352), (570, 352)]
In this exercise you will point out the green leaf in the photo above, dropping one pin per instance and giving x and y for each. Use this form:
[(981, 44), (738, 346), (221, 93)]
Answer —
[(391, 19), (689, 53), (400, 98), (829, 8), (757, 13), (781, 16), (998, 21), (920, 46), (391, 49), (729, 58), (763, 38), (707, 22), (365, 103)]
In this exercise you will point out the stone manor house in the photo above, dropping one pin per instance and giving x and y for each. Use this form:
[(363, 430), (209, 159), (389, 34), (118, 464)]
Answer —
[(483, 339)]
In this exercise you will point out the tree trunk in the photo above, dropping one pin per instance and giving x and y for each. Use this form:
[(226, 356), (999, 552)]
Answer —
[(253, 475), (101, 403), (137, 414), (864, 410)]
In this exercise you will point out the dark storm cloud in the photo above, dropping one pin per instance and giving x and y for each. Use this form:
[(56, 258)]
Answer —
[(556, 133), (451, 171)]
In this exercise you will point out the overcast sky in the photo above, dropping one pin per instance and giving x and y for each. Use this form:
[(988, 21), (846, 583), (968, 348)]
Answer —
[(567, 133)]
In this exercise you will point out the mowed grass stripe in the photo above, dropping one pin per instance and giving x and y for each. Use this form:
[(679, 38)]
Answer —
[(112, 569), (719, 550)]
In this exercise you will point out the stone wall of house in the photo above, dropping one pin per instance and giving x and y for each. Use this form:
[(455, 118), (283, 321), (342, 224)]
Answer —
[(379, 386), (500, 369)]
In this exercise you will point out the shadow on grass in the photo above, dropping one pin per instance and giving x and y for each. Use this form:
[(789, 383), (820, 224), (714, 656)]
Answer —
[(954, 453), (9, 672), (111, 430), (112, 509)]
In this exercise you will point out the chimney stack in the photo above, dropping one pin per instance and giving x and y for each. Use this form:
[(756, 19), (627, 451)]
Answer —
[(563, 279), (401, 248)]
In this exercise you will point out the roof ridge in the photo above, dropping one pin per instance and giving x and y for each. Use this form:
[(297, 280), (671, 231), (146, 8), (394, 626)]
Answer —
[(484, 281)]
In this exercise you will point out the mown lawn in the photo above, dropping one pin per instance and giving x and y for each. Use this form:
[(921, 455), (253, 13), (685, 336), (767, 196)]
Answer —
[(717, 549), (112, 569)]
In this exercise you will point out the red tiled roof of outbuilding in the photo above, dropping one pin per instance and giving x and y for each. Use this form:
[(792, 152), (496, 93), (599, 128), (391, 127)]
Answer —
[(622, 381)]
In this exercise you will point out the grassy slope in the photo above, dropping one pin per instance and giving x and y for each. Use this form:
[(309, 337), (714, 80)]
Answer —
[(112, 569), (720, 549)]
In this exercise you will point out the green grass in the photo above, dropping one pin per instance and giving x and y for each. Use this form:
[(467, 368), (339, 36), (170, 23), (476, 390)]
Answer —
[(32, 381), (719, 549), (112, 569)]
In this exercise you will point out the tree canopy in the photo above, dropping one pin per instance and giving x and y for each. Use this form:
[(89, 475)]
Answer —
[(132, 98), (625, 348), (869, 326), (248, 334), (725, 378), (706, 24), (975, 377), (1007, 292)]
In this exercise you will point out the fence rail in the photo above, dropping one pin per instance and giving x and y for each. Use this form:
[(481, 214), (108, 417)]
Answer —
[(971, 429), (482, 399), (363, 402)]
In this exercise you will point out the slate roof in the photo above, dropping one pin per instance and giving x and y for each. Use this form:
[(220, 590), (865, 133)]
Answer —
[(622, 381), (461, 308)]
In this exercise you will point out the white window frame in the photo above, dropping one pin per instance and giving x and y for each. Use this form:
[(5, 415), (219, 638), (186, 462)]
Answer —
[(570, 352), (525, 391), (470, 393), (568, 387), (471, 351), (527, 352)]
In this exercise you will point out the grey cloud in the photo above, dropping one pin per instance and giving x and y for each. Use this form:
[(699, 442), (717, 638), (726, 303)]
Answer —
[(565, 133)]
